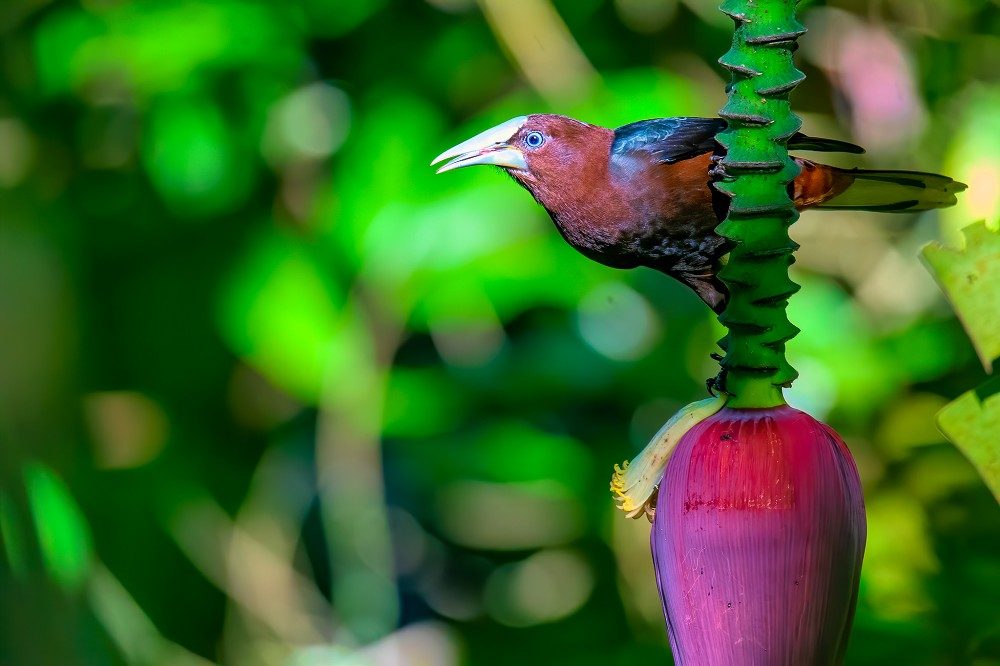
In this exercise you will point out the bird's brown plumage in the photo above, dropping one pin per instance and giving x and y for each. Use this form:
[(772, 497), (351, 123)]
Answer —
[(642, 195)]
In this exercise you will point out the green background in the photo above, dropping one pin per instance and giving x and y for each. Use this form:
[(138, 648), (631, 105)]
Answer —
[(273, 393)]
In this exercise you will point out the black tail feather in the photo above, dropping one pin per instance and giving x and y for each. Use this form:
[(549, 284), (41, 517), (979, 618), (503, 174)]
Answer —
[(801, 141), (894, 191)]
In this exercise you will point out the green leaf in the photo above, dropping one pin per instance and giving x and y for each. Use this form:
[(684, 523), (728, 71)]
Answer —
[(63, 536), (972, 423), (971, 280)]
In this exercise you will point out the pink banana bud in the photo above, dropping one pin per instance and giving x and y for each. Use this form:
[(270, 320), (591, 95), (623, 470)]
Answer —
[(757, 540)]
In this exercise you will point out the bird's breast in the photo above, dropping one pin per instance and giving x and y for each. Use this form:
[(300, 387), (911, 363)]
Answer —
[(603, 226), (653, 215)]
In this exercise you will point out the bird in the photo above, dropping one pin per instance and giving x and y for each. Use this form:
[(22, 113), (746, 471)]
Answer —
[(645, 194)]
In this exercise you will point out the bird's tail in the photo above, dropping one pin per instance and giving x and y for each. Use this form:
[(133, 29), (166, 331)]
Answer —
[(891, 191)]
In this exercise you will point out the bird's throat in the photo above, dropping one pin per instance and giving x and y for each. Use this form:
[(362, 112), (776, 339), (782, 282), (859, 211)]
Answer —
[(595, 221)]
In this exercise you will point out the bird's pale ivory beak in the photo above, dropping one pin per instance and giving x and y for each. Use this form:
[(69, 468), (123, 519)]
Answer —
[(489, 147)]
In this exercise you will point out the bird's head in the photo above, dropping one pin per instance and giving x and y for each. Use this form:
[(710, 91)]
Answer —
[(548, 154)]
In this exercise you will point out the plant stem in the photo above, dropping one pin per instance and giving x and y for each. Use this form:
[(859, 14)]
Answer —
[(756, 173)]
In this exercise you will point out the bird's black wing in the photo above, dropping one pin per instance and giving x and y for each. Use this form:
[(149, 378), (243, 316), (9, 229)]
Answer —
[(671, 140), (668, 139)]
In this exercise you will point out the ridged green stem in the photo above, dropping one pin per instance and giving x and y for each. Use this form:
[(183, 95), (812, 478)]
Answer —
[(757, 171)]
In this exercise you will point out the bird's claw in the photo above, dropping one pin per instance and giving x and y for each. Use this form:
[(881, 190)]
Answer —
[(717, 383), (718, 168)]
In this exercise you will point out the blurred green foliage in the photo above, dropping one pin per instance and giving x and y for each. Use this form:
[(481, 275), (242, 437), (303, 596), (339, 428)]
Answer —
[(271, 392)]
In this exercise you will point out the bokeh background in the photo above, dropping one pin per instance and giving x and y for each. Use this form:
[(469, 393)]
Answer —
[(273, 393)]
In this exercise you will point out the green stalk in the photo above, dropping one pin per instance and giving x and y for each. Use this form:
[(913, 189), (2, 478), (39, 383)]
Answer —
[(756, 173)]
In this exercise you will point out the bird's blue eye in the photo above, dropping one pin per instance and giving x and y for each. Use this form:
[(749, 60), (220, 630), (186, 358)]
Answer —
[(534, 139)]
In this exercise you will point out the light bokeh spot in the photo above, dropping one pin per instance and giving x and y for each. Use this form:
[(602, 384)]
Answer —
[(546, 587), (617, 322)]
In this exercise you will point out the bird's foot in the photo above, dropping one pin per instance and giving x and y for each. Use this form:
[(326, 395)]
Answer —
[(716, 384), (718, 168)]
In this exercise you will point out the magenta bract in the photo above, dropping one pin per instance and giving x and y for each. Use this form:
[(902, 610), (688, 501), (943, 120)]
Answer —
[(757, 541)]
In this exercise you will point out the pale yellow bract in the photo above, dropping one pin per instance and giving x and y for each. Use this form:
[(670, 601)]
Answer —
[(634, 483)]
